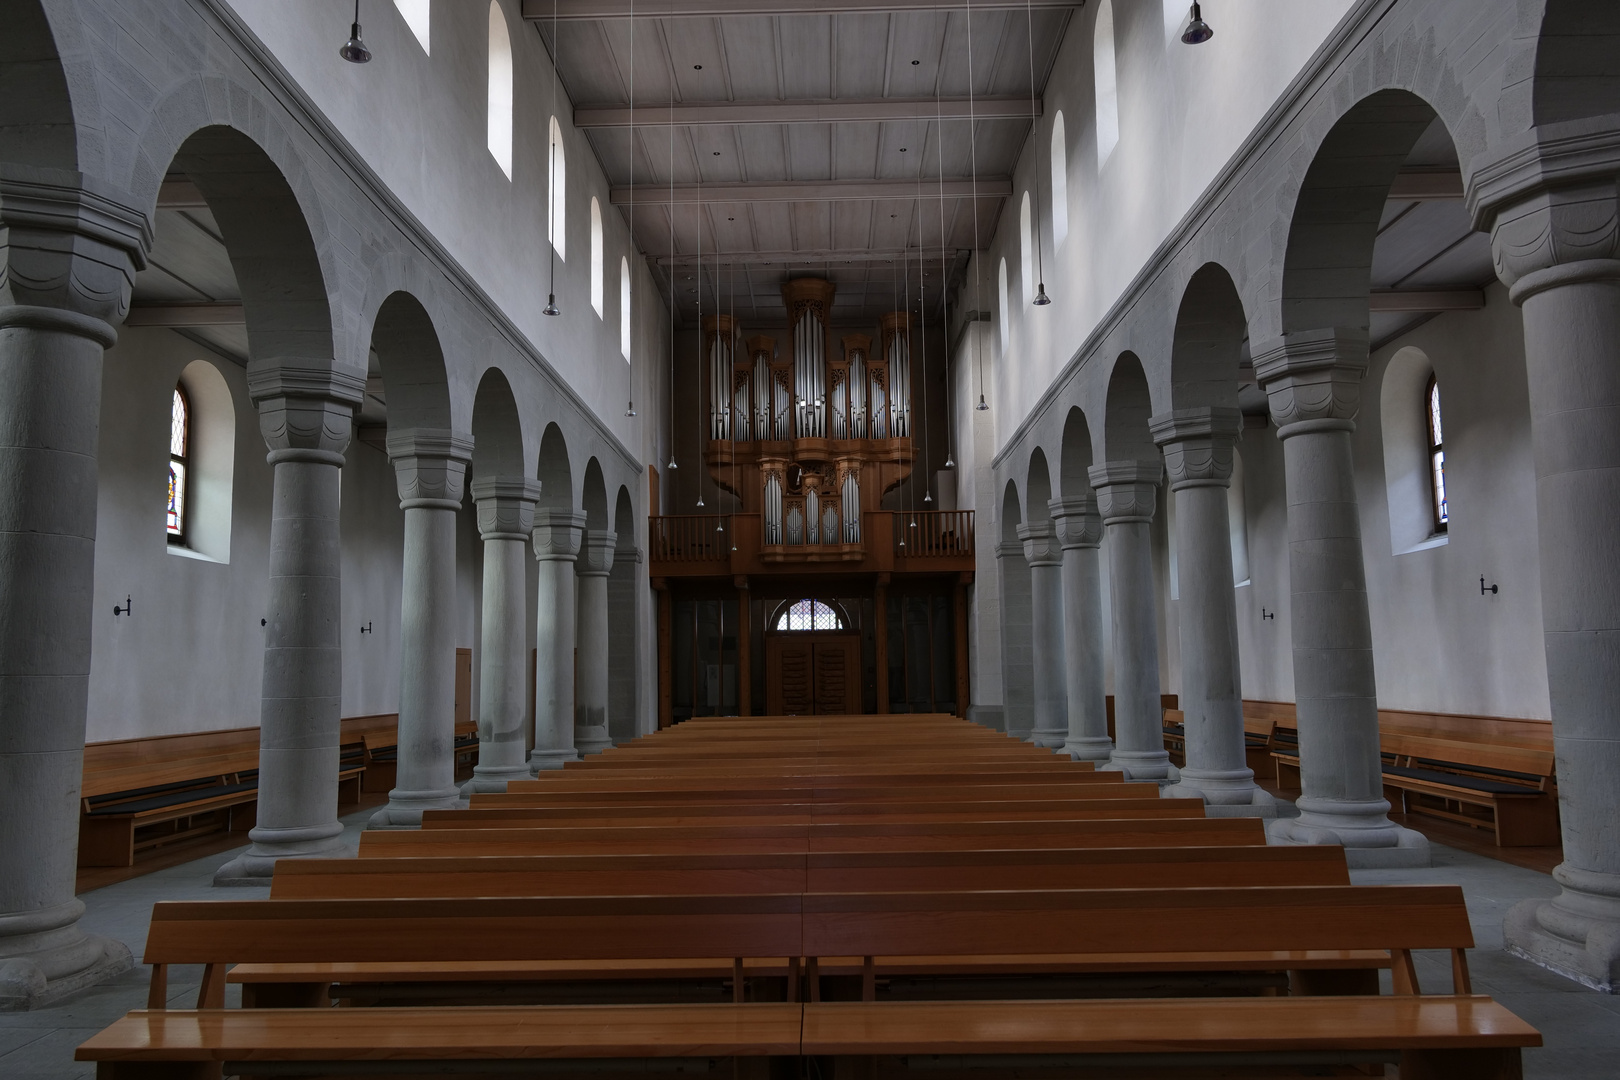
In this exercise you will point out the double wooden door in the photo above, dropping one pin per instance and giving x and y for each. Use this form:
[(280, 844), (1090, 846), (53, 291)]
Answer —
[(812, 673)]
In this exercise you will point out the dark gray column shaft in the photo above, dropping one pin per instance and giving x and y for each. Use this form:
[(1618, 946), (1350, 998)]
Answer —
[(590, 712), (1045, 560), (1079, 532), (556, 538), (505, 518)]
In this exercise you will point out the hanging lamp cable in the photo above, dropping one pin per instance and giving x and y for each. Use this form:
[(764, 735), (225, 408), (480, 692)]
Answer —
[(1041, 299), (944, 271), (630, 145), (551, 201), (978, 255)]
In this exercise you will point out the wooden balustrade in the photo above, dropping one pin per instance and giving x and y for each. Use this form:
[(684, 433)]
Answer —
[(691, 538), (693, 545), (933, 534)]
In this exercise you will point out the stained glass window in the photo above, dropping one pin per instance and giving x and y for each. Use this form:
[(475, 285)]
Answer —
[(809, 615), (1437, 458), (179, 463)]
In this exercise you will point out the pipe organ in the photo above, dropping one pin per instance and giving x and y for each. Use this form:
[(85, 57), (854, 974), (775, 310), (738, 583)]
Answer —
[(812, 439)]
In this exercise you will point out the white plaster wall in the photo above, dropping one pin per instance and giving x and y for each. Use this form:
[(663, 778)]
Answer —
[(1183, 112), (419, 120), (190, 657)]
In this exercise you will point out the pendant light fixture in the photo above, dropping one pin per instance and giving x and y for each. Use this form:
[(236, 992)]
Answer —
[(630, 409), (1041, 299), (944, 274), (973, 167), (1198, 31), (551, 307), (630, 370), (355, 52), (673, 299)]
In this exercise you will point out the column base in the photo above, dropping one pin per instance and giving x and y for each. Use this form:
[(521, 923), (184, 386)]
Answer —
[(549, 760), (1576, 934), (255, 866), (1362, 827), (493, 778), (592, 740), (404, 809), (1226, 793), (990, 716), (1052, 739), (45, 957), (1142, 765), (1097, 748)]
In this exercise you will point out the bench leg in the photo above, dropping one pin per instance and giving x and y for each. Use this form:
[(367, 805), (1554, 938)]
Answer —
[(1474, 1064), (244, 816)]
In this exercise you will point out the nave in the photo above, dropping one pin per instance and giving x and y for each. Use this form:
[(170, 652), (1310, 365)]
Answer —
[(782, 888)]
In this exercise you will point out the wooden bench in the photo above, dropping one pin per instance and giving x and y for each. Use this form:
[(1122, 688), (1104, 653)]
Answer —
[(815, 815), (1129, 832), (1507, 789), (137, 795), (1430, 1038)]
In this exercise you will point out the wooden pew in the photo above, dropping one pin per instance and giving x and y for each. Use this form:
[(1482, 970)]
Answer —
[(1508, 789), (1430, 1038), (817, 815)]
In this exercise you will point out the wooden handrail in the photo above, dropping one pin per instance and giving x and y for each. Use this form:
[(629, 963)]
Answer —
[(933, 533), (691, 538)]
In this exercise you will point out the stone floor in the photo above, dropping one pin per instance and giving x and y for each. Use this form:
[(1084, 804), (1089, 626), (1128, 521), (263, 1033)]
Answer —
[(1581, 1027)]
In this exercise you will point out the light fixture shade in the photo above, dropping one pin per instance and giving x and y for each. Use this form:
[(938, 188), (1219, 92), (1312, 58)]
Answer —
[(928, 497), (950, 462), (981, 406), (700, 502), (720, 526), (1041, 299), (1198, 30), (630, 409), (672, 465), (355, 52), (551, 307)]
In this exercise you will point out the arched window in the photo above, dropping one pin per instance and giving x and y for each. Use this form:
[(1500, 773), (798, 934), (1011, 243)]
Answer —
[(598, 286), (1026, 253), (179, 463), (624, 307), (417, 16), (1060, 181), (500, 89), (1437, 457), (1107, 87), (557, 216), (809, 615), (1006, 311)]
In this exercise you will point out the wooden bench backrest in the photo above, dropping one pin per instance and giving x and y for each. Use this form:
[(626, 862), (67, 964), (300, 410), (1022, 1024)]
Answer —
[(831, 823), (1132, 832), (126, 764), (1511, 758), (868, 796), (1256, 725), (642, 875), (1137, 921), (353, 728), (1481, 730), (794, 803), (724, 780)]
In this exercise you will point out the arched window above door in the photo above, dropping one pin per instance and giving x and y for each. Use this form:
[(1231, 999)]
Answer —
[(809, 615)]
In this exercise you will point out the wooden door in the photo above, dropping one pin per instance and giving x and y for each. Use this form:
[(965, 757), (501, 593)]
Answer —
[(809, 673)]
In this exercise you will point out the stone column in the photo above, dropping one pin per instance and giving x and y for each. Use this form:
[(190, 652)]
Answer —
[(505, 517), (556, 539), (1313, 381), (305, 414), (1126, 493), (1045, 560), (1559, 253), (431, 469), (1197, 447), (1017, 668), (591, 710), (1079, 532), (66, 267)]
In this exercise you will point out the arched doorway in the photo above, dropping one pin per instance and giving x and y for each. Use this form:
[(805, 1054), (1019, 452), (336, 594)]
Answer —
[(812, 660)]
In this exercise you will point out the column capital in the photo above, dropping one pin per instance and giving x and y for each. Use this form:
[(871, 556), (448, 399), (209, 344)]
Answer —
[(430, 465), (73, 245), (1126, 490), (1041, 546), (557, 534), (306, 407), (1197, 445), (1076, 520), (1312, 378), (596, 553), (505, 506), (1006, 549)]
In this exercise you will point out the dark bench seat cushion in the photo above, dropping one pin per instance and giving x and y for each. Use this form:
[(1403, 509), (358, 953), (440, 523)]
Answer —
[(174, 798), (1472, 783), (1506, 774), (202, 783)]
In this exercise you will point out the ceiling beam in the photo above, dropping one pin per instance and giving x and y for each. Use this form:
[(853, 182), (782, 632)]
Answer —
[(1425, 300), (988, 187), (803, 112), (763, 259), (574, 10), (155, 313)]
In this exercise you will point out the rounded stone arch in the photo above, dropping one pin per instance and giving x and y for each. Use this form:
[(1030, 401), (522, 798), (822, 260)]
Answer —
[(1327, 263), (1207, 348), (594, 498), (1011, 513), (1074, 464), (270, 240), (1576, 66), (415, 382), (1125, 416), (1038, 488), (497, 429), (555, 474), (40, 127)]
